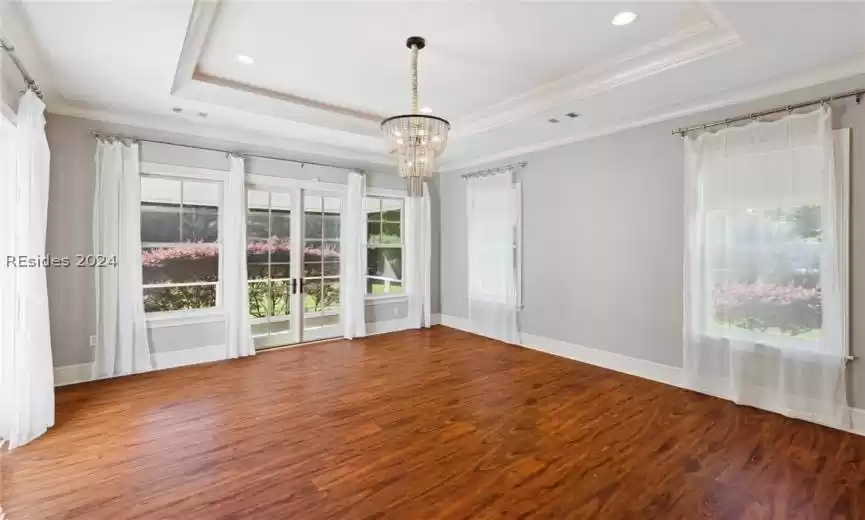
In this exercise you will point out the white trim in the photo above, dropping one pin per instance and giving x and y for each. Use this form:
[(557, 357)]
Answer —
[(18, 31), (268, 182), (372, 191), (182, 172), (321, 333), (841, 138), (158, 320), (729, 98), (83, 372), (858, 417), (72, 374), (257, 137), (203, 14), (673, 376), (189, 356), (383, 327), (385, 298), (701, 40), (456, 323), (435, 319)]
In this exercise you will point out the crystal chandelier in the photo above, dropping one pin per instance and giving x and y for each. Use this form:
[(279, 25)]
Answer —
[(416, 139)]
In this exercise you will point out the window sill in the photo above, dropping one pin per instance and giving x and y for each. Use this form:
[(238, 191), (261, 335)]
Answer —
[(157, 320), (385, 299), (747, 341)]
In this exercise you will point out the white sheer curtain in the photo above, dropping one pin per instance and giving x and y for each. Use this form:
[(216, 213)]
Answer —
[(235, 298), (493, 215), (765, 283), (352, 251), (417, 260), (121, 329), (26, 369)]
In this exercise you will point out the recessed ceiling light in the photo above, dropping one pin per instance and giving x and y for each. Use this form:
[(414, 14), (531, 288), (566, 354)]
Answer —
[(624, 18), (573, 115), (426, 110), (243, 58), (552, 120)]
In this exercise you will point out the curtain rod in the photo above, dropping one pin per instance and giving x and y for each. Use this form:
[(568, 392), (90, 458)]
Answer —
[(493, 171), (139, 140), (786, 108), (29, 82)]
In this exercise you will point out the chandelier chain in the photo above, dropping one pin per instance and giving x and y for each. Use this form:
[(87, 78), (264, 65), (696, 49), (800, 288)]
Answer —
[(414, 101), (415, 139)]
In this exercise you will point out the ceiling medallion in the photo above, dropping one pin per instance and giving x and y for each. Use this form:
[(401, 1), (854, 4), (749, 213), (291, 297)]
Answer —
[(416, 139)]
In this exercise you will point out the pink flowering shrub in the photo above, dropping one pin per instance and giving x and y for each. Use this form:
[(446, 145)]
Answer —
[(160, 257), (760, 306), (200, 262)]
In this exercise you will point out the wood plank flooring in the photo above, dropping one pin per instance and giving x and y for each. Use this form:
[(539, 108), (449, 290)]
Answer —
[(435, 424)]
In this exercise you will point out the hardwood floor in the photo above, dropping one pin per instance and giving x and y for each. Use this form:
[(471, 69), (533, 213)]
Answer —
[(436, 424)]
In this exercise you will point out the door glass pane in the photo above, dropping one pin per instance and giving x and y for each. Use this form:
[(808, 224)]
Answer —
[(312, 295), (330, 295), (268, 231), (259, 298), (321, 266)]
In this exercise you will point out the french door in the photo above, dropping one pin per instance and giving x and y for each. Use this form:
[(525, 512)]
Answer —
[(293, 264)]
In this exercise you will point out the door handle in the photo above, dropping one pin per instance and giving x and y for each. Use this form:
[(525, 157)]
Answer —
[(294, 286), (301, 286)]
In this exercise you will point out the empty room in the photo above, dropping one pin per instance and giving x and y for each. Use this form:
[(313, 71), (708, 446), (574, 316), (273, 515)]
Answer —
[(421, 260)]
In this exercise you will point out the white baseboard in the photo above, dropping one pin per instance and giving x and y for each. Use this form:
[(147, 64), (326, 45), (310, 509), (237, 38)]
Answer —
[(81, 373), (609, 360), (190, 356), (652, 371), (71, 374), (383, 327), (456, 323), (858, 416)]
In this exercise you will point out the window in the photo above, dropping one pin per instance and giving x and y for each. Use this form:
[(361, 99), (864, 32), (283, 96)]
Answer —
[(384, 246), (179, 243), (767, 240), (764, 268)]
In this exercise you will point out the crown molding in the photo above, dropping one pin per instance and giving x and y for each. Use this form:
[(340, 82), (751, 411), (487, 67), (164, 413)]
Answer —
[(701, 40), (811, 78), (18, 32), (193, 84), (707, 36), (241, 136)]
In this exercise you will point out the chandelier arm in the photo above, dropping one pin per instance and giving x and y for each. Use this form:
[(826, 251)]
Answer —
[(414, 100)]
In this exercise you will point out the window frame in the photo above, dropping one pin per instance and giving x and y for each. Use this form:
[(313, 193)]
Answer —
[(841, 149), (191, 174), (380, 193)]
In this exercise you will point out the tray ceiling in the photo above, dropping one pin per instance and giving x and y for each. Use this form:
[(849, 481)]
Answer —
[(326, 73)]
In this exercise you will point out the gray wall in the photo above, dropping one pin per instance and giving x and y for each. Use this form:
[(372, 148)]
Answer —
[(603, 237), (69, 227)]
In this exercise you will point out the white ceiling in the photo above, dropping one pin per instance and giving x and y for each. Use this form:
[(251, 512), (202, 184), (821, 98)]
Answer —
[(326, 73)]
